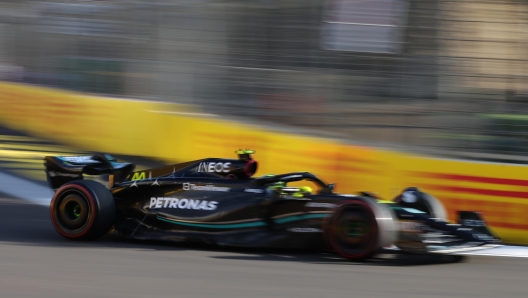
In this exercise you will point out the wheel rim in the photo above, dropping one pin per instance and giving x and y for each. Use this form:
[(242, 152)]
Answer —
[(77, 211), (354, 231), (72, 212)]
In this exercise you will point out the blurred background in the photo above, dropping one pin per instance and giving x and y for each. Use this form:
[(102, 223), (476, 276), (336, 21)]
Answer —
[(447, 78)]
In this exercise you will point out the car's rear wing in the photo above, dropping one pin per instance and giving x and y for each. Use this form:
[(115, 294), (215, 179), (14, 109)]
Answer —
[(63, 169)]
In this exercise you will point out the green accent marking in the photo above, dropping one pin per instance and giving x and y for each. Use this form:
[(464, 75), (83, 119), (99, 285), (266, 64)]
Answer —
[(299, 217), (244, 225), (396, 207), (216, 226)]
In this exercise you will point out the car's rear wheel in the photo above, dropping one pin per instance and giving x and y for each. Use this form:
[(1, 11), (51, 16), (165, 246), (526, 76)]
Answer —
[(82, 210), (359, 229)]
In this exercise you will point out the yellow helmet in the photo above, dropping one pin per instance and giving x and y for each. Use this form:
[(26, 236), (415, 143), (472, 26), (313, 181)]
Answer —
[(303, 190)]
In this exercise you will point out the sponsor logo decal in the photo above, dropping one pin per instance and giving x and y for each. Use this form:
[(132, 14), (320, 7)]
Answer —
[(254, 190), (208, 187), (472, 223), (305, 230), (139, 176), (59, 174), (79, 159), (320, 205), (214, 167), (175, 203)]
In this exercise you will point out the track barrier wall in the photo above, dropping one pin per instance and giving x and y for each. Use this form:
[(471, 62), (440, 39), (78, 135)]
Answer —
[(174, 133)]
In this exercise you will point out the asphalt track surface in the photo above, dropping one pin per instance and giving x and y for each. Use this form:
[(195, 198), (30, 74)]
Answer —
[(35, 261)]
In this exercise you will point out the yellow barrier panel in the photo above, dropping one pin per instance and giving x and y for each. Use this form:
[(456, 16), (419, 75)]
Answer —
[(90, 122), (169, 132)]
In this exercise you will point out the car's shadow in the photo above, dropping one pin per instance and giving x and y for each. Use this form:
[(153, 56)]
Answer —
[(27, 224), (382, 259)]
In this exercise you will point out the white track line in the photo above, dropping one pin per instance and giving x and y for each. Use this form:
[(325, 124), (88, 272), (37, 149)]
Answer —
[(25, 190), (501, 251)]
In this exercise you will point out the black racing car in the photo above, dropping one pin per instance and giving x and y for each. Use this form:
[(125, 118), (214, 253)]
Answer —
[(218, 200)]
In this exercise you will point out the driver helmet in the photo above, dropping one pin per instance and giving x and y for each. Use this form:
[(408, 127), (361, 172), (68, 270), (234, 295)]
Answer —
[(410, 195), (275, 187), (302, 192)]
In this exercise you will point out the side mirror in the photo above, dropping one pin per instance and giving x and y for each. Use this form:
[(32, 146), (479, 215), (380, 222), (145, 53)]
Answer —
[(331, 186)]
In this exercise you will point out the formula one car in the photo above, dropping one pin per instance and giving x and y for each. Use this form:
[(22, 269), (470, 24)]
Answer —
[(218, 201)]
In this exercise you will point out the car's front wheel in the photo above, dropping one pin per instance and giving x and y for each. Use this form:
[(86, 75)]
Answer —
[(359, 228), (82, 210)]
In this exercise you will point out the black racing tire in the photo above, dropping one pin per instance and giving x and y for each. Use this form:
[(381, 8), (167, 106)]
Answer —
[(360, 228), (82, 210), (436, 208), (454, 259)]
